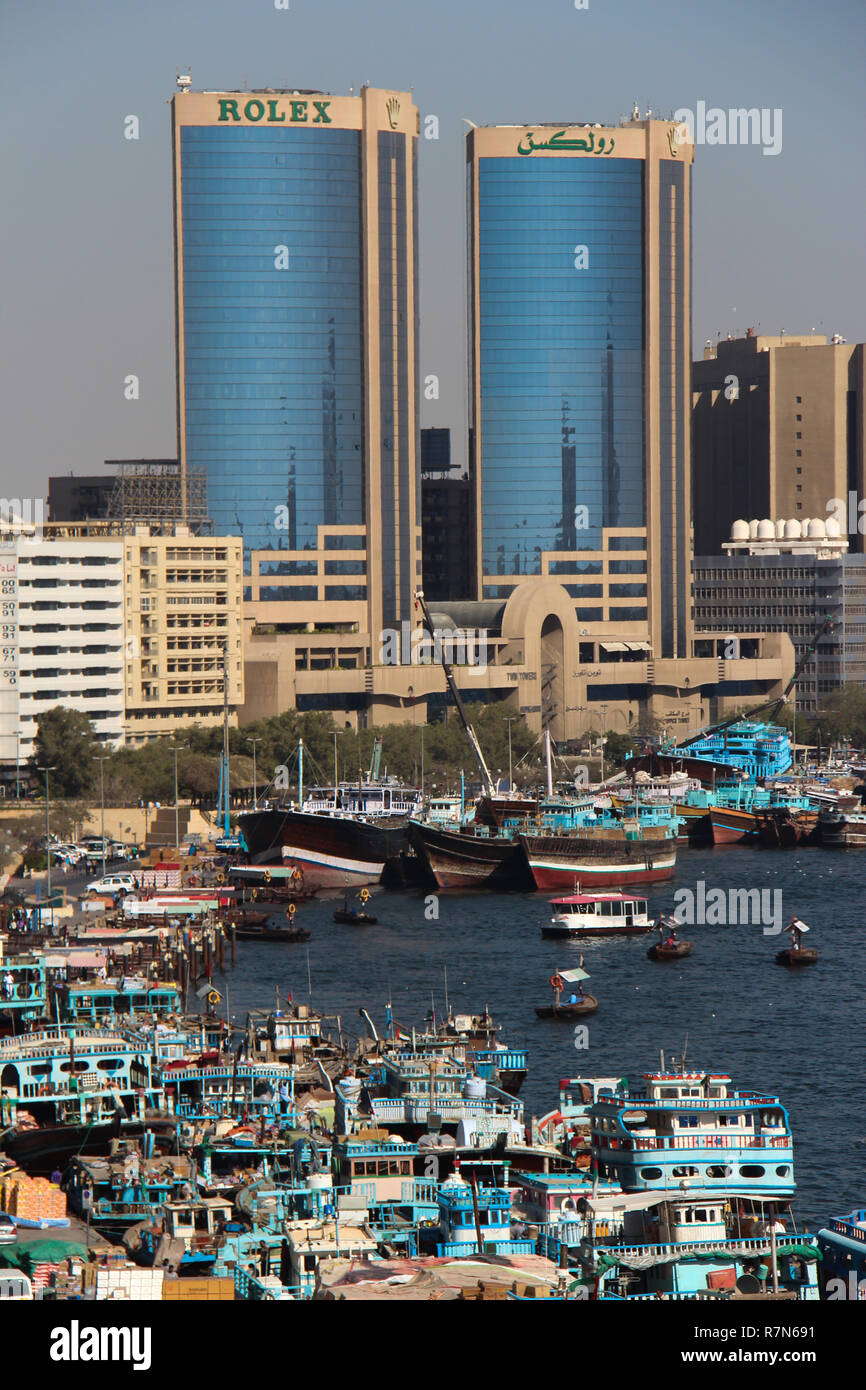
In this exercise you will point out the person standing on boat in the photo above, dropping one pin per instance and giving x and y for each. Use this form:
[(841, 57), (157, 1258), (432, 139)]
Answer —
[(284, 1098)]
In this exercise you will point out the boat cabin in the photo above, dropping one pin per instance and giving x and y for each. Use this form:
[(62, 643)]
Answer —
[(313, 1240), (601, 913), (23, 987), (374, 1164), (458, 1210), (116, 1000), (693, 1127)]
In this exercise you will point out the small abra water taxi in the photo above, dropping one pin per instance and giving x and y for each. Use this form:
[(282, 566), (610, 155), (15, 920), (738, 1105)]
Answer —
[(669, 946), (576, 1004), (797, 954), (598, 914)]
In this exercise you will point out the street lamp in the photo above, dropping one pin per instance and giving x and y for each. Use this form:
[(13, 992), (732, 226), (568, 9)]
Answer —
[(46, 770), (102, 760), (254, 741), (177, 748), (510, 719)]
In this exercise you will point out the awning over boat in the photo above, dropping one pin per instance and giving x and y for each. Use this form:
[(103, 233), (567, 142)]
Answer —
[(78, 959), (571, 977), (614, 646)]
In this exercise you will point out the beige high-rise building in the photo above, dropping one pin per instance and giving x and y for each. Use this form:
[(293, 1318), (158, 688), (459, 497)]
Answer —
[(182, 610), (779, 430)]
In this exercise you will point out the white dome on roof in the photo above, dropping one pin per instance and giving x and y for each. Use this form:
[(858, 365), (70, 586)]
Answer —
[(766, 530), (793, 530), (753, 530), (834, 529), (817, 529), (740, 531)]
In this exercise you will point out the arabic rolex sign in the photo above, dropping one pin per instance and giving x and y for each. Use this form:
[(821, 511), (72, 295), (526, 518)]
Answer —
[(584, 142), (274, 111)]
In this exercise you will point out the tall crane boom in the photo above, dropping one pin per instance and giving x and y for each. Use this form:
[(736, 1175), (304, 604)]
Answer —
[(486, 779)]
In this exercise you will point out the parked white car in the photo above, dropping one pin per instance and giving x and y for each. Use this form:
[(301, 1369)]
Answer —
[(113, 883)]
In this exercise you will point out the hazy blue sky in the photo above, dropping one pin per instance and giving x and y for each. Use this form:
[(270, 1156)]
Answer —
[(85, 215)]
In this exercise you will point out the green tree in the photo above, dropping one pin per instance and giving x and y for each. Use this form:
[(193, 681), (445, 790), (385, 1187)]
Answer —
[(66, 743)]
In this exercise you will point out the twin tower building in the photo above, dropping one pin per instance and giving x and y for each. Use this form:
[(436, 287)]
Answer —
[(299, 379)]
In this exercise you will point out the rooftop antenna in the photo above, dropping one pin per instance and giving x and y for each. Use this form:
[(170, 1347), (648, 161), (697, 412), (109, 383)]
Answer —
[(447, 1005)]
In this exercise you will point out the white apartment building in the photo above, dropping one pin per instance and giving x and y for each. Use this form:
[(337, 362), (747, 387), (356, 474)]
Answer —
[(61, 635)]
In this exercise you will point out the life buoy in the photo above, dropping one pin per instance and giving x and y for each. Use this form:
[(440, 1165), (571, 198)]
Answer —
[(213, 997), (557, 982), (292, 909), (254, 894), (267, 876), (364, 895)]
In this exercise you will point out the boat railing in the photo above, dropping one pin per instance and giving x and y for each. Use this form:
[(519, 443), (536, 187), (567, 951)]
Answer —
[(704, 1141), (740, 1100), (850, 1226)]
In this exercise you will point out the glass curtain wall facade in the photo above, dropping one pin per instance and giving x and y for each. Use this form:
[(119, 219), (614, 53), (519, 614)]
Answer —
[(297, 342), (561, 357), (579, 252), (273, 337)]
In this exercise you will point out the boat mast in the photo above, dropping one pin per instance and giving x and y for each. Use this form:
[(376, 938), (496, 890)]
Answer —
[(300, 773), (549, 767), (486, 779)]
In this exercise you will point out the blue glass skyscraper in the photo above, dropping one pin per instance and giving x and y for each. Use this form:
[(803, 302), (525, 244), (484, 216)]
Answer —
[(579, 274), (296, 310)]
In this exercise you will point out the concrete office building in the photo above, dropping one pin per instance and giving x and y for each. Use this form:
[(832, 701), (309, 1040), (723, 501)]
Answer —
[(779, 429), (297, 307), (128, 626), (787, 576)]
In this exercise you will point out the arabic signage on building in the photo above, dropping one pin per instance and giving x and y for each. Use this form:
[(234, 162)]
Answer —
[(532, 142)]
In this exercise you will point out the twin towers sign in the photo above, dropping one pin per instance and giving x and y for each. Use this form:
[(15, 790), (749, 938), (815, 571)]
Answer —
[(295, 111)]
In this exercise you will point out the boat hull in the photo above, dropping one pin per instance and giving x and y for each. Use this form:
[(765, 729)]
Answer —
[(457, 860), (557, 862), (331, 851), (678, 952), (731, 826), (572, 932), (588, 1005)]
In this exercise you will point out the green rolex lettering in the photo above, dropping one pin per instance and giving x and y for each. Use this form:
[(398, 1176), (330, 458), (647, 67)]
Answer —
[(322, 117), (254, 110), (228, 109), (299, 110), (272, 112)]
